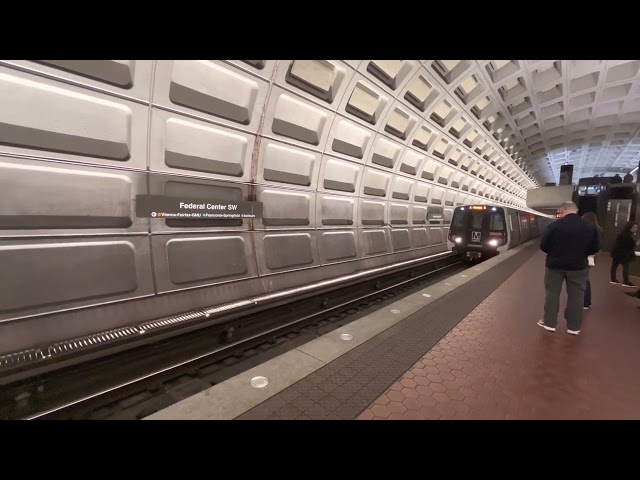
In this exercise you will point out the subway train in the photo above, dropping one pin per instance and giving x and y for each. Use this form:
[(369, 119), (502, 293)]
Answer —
[(355, 165), (482, 231)]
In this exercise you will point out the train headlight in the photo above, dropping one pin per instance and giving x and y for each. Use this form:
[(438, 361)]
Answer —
[(493, 243), (457, 240)]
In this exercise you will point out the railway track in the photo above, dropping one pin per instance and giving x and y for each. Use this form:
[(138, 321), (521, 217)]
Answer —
[(138, 381)]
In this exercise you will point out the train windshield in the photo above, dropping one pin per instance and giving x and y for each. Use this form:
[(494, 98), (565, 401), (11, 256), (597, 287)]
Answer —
[(469, 218), (464, 218), (476, 220), (458, 219)]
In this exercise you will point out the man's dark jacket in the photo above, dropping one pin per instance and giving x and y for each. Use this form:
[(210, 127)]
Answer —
[(568, 242)]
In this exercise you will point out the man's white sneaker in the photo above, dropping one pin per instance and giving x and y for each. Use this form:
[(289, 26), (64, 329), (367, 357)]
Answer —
[(573, 332), (548, 329)]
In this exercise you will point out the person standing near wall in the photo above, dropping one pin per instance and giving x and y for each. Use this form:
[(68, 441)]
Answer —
[(623, 253)]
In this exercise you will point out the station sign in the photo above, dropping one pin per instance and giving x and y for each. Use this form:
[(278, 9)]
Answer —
[(435, 214), (159, 206)]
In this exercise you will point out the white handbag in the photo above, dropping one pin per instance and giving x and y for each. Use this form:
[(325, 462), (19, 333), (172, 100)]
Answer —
[(592, 260)]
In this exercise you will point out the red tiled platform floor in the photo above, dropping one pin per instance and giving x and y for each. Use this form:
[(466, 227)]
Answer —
[(498, 364)]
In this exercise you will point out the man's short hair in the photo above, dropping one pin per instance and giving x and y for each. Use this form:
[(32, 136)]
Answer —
[(569, 207)]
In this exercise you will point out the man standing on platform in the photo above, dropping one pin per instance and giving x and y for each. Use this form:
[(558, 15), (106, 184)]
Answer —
[(567, 242)]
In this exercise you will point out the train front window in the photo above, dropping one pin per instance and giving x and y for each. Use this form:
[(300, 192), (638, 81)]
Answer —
[(497, 222), (458, 219), (476, 220)]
